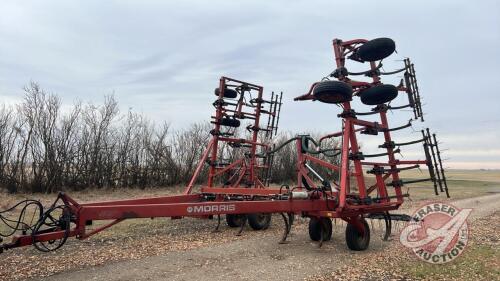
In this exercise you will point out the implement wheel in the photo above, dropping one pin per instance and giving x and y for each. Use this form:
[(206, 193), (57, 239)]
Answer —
[(332, 92), (378, 94), (318, 225), (228, 93), (259, 221), (356, 240), (235, 220), (376, 49)]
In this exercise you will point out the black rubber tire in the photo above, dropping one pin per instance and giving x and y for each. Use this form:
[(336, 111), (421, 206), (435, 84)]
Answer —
[(315, 228), (378, 94), (228, 93), (230, 122), (259, 221), (332, 92), (355, 241), (235, 220), (376, 49)]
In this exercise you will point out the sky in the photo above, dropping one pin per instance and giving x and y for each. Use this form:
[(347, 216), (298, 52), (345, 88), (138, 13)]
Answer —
[(164, 58)]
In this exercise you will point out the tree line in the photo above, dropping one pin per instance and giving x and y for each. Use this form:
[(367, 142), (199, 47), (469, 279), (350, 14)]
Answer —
[(45, 149)]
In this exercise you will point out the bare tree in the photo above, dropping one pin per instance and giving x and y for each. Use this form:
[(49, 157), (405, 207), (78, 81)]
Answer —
[(44, 148)]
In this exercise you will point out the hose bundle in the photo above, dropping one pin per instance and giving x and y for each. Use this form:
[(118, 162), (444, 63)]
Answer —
[(11, 226), (33, 220)]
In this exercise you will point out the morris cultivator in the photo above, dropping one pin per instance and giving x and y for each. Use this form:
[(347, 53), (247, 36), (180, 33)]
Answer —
[(239, 188)]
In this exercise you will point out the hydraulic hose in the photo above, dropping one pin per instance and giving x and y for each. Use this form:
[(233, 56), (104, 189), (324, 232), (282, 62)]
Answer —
[(319, 151), (279, 147), (304, 147)]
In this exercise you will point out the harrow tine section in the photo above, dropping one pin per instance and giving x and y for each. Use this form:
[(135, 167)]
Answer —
[(430, 166), (409, 89), (418, 103), (412, 90), (270, 121), (443, 177), (270, 131), (434, 160)]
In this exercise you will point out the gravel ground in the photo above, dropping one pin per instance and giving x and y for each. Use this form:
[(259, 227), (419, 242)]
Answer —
[(255, 256)]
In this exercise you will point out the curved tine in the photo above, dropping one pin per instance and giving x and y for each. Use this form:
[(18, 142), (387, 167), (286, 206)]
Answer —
[(218, 225), (291, 219), (388, 226), (386, 233), (242, 225), (287, 229)]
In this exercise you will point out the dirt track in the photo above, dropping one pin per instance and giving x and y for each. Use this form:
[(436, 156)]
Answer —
[(254, 258)]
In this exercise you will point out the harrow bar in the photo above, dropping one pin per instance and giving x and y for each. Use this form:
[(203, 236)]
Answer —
[(434, 162), (412, 90)]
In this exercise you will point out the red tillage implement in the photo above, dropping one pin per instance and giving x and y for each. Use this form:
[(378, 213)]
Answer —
[(239, 188)]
